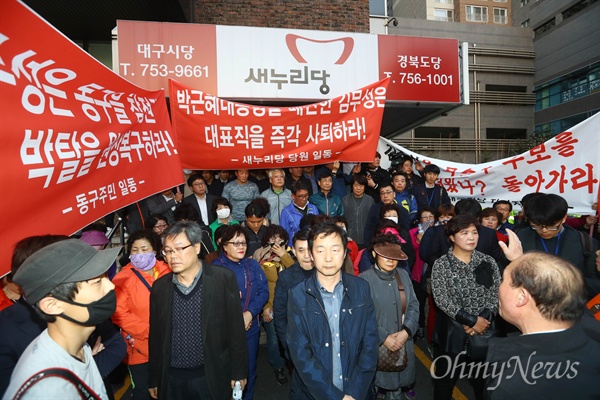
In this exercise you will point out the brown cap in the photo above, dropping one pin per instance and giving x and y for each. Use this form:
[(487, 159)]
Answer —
[(391, 251)]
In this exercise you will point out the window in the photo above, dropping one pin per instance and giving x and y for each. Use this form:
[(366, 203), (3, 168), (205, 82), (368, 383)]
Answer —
[(545, 27), (555, 127), (506, 88), (437, 132), (500, 1), (443, 15), (578, 7), (445, 1), (594, 79), (500, 16), (477, 14), (524, 2), (548, 96), (505, 133), (573, 86), (525, 24), (377, 7)]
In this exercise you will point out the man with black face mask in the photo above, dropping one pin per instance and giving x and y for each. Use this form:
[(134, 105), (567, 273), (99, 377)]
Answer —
[(66, 282)]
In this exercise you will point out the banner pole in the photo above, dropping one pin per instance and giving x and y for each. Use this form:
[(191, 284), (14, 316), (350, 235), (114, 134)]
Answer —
[(597, 210)]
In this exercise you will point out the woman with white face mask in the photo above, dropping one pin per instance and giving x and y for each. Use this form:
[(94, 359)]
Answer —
[(223, 210), (390, 211), (132, 287)]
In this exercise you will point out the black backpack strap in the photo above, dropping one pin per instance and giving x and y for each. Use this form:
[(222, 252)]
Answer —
[(84, 390), (586, 244), (135, 271)]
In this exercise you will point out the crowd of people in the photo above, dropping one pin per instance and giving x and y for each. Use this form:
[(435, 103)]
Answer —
[(344, 267)]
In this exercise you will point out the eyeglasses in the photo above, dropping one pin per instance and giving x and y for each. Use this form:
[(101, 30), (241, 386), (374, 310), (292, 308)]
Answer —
[(178, 250), (427, 218), (237, 244), (386, 192), (548, 228), (199, 184), (303, 196)]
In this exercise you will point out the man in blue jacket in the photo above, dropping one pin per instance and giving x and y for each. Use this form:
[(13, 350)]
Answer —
[(403, 196), (300, 207), (332, 331)]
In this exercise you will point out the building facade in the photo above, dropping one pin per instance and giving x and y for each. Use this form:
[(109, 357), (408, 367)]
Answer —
[(566, 41), (493, 12), (499, 117)]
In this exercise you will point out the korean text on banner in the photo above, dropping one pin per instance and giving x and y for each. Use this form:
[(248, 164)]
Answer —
[(214, 133), (78, 141), (566, 165)]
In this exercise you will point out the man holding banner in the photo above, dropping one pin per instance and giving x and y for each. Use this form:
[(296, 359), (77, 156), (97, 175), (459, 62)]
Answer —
[(78, 141)]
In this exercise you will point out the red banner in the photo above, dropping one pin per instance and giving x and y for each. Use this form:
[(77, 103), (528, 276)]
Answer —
[(78, 141), (420, 69), (213, 133), (152, 52)]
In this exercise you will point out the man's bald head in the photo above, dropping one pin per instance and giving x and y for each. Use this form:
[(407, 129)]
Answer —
[(556, 286)]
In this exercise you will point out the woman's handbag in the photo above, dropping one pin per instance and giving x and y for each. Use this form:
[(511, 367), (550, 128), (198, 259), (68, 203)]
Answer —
[(477, 345), (394, 361)]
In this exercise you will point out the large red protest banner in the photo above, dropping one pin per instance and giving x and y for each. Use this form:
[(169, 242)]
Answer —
[(213, 132), (77, 140)]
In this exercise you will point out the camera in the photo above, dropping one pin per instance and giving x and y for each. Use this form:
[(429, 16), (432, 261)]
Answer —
[(396, 157)]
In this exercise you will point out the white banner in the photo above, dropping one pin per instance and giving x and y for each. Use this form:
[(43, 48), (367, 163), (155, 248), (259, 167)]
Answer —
[(566, 165), (273, 63)]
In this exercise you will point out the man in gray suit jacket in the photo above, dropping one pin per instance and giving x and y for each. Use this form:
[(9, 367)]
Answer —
[(164, 204)]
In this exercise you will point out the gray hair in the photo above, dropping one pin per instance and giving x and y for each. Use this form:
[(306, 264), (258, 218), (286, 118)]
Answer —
[(190, 229), (272, 171)]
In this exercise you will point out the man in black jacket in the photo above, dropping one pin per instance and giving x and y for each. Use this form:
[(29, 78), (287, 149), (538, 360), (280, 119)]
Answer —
[(376, 176), (547, 232), (435, 242), (386, 195), (296, 174), (197, 340), (288, 278), (543, 295), (429, 193), (201, 200)]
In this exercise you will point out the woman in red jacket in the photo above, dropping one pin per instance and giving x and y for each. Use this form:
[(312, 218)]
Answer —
[(132, 286)]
